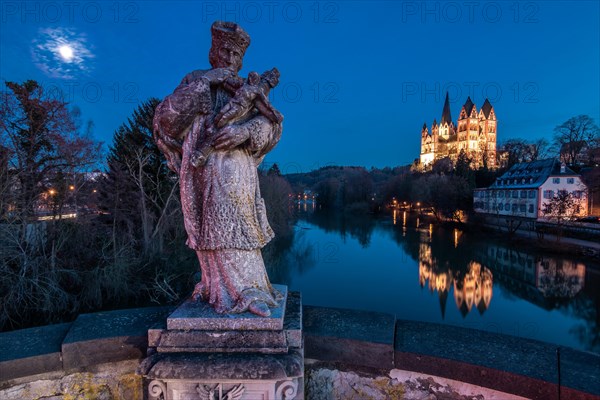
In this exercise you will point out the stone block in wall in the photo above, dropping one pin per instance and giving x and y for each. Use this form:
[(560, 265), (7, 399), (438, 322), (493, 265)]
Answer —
[(110, 336), (31, 351), (349, 336)]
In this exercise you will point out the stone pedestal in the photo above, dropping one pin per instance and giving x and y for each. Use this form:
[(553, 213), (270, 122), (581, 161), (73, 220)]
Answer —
[(199, 354)]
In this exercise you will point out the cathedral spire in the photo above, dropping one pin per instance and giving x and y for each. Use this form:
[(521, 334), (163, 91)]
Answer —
[(468, 106), (446, 117), (487, 108)]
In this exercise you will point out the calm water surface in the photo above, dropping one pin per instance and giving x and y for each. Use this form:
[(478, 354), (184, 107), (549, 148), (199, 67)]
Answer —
[(428, 273)]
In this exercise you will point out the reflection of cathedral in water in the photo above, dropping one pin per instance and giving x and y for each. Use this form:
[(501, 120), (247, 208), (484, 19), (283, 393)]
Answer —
[(538, 279), (471, 287)]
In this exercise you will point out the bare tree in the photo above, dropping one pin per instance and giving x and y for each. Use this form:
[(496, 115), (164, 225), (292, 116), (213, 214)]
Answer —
[(562, 207), (42, 143), (573, 136)]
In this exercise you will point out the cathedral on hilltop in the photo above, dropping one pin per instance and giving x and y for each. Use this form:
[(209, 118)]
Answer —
[(475, 133)]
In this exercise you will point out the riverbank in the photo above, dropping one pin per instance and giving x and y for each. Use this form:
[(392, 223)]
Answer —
[(543, 236), (530, 235)]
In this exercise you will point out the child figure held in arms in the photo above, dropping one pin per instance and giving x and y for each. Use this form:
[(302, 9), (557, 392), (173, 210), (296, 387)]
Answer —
[(249, 96)]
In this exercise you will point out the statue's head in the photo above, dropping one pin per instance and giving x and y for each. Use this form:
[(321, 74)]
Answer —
[(229, 43)]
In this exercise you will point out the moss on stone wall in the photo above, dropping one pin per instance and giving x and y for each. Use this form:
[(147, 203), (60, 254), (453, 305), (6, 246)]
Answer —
[(115, 381)]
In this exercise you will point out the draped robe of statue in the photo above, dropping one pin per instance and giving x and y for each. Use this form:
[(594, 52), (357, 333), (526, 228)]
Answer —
[(224, 214)]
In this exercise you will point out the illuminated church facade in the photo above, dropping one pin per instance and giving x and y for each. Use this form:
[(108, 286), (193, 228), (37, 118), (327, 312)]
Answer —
[(474, 133)]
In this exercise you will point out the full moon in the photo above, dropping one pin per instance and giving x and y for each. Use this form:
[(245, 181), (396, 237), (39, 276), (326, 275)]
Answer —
[(66, 52)]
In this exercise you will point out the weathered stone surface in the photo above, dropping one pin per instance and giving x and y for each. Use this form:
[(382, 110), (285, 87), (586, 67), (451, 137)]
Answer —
[(292, 323), (289, 389), (328, 383), (260, 341), (368, 326), (155, 333), (111, 381), (523, 366), (216, 341), (580, 370), (354, 337), (199, 315), (227, 367), (109, 336), (508, 353), (31, 351), (127, 322)]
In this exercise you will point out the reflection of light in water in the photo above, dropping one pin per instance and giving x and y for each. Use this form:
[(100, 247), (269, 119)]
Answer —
[(305, 207), (404, 218), (417, 222), (455, 238), (473, 289), (394, 216), (430, 230)]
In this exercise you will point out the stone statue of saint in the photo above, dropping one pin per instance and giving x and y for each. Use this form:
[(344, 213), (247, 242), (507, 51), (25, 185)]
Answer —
[(214, 130)]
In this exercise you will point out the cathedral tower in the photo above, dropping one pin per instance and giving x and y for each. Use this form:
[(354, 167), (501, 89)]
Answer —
[(474, 133)]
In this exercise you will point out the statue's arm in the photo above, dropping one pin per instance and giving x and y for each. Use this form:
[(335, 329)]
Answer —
[(263, 135), (175, 114)]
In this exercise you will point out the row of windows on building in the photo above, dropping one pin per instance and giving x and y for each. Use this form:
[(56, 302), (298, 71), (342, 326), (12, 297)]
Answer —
[(523, 181), (577, 194), (515, 194), (524, 194), (512, 207)]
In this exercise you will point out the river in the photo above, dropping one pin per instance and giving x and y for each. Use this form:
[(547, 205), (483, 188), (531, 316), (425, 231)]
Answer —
[(397, 264)]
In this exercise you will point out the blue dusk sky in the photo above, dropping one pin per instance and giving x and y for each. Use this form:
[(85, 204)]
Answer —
[(358, 79)]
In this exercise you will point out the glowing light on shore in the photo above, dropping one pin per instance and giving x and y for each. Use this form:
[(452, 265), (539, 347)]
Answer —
[(61, 216)]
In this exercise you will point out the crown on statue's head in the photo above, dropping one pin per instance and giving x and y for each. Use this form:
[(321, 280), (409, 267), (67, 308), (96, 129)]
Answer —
[(229, 32)]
